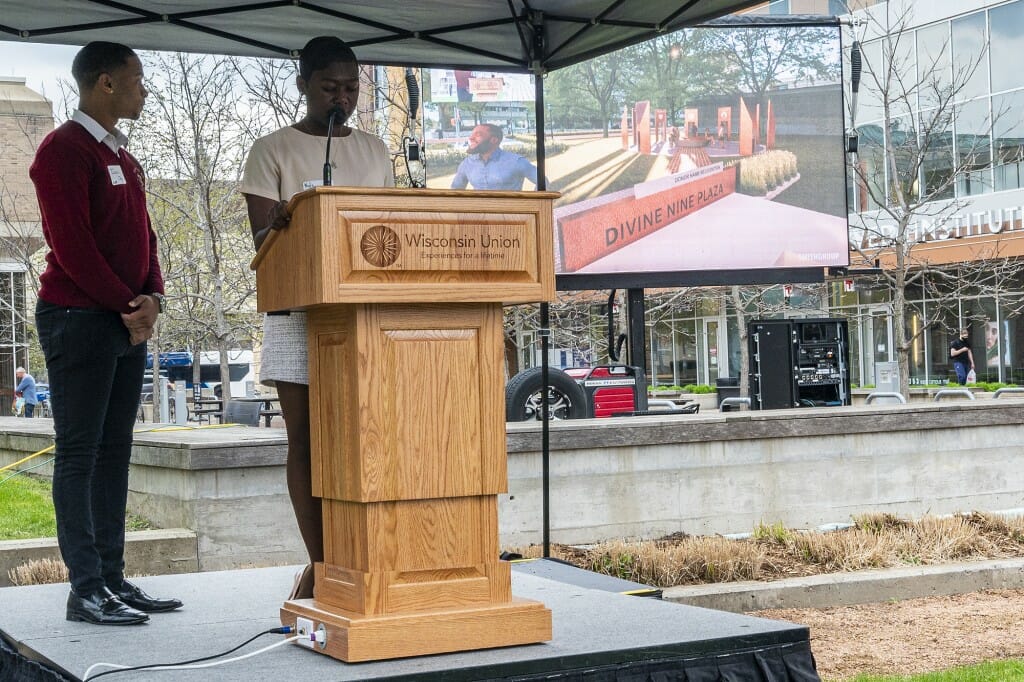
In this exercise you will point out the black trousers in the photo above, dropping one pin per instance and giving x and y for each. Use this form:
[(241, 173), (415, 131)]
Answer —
[(95, 380)]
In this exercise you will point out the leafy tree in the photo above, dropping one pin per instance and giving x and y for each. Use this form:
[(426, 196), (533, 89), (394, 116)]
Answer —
[(598, 80), (760, 60)]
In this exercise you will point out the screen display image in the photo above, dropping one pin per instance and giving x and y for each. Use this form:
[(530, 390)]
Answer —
[(454, 85), (709, 155)]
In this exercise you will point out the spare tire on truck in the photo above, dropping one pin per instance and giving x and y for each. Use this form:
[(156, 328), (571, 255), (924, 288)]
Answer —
[(523, 401)]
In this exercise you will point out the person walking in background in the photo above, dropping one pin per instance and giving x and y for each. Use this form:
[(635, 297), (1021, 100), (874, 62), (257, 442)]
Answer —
[(279, 166), (462, 86), (488, 166), (99, 298), (26, 391), (963, 359)]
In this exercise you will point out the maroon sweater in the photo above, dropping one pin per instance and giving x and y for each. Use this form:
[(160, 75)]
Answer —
[(93, 204)]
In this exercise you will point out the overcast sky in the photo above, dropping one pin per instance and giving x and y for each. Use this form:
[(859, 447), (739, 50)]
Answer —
[(41, 65)]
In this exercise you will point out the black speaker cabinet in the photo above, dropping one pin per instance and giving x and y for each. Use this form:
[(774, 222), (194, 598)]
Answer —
[(798, 363)]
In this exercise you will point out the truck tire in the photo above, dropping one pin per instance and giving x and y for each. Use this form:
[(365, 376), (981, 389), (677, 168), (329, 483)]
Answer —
[(566, 398)]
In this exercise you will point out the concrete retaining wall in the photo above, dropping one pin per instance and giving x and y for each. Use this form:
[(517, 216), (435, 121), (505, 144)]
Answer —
[(725, 473), (226, 484), (633, 477), (146, 552)]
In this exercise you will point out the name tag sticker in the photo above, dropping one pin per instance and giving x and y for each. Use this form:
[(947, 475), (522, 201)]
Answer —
[(116, 175)]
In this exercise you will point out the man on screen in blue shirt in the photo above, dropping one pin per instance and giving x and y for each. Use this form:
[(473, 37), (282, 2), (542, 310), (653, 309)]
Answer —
[(490, 167)]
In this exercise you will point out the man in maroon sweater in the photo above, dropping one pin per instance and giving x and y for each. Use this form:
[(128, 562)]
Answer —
[(98, 301)]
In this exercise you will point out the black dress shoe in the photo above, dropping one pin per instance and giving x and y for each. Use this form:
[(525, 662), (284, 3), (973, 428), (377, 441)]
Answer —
[(102, 608), (137, 599)]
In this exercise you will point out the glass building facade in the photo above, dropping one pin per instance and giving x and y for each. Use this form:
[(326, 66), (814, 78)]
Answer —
[(962, 100), (965, 105)]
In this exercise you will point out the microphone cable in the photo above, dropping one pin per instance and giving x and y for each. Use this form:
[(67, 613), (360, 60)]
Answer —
[(284, 630)]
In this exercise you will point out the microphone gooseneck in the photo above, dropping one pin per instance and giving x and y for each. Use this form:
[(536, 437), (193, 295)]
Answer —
[(333, 114), (856, 67), (413, 156), (413, 89)]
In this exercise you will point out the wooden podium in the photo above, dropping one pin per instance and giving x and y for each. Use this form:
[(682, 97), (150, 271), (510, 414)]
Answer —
[(404, 290)]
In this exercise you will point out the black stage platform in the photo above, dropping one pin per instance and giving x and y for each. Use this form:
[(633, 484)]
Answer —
[(599, 634)]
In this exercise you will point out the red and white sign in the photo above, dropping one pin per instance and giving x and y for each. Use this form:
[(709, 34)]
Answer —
[(848, 285), (598, 230)]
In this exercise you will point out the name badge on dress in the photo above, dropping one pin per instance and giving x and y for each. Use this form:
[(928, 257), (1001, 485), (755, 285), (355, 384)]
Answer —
[(116, 175)]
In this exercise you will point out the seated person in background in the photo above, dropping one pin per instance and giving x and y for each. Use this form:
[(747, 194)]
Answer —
[(490, 167)]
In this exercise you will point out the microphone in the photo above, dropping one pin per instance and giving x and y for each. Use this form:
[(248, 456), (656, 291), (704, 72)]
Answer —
[(332, 114)]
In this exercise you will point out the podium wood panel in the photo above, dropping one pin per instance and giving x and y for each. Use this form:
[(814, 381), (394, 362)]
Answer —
[(404, 290), (402, 246), (429, 423), (356, 637)]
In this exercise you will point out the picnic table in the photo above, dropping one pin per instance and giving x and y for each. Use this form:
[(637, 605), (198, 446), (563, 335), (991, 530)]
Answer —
[(207, 408)]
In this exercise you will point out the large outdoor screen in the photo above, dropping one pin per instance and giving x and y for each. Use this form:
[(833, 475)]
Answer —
[(706, 156)]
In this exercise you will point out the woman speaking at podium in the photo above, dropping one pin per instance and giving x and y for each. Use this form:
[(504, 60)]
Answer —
[(280, 165)]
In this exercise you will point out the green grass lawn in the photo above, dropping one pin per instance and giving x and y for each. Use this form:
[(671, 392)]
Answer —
[(997, 671), (28, 510)]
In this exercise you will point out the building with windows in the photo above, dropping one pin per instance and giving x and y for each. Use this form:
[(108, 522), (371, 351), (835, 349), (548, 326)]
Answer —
[(956, 112), (25, 119)]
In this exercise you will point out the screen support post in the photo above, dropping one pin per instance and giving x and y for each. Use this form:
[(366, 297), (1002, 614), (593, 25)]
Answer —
[(635, 311)]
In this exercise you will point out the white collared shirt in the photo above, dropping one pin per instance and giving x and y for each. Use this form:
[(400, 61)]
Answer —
[(115, 140)]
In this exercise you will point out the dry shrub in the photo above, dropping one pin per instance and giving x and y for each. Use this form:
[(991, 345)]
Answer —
[(687, 560), (875, 541), (1008, 530), (933, 540), (706, 559), (39, 572), (848, 550), (879, 522)]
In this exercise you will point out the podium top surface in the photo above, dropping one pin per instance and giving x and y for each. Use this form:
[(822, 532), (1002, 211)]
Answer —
[(371, 245), (404, 193)]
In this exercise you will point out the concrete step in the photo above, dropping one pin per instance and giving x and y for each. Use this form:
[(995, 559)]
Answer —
[(147, 552), (859, 587)]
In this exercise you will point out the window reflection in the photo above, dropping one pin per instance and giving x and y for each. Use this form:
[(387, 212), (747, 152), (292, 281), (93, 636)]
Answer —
[(938, 162), (1006, 31), (1008, 133), (869, 101), (973, 148), (900, 84), (905, 148), (970, 58), (933, 65), (870, 171), (941, 333)]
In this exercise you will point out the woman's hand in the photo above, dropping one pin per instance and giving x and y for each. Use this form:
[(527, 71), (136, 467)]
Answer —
[(278, 216)]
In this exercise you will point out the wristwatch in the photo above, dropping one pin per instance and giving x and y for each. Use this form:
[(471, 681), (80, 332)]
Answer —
[(159, 300)]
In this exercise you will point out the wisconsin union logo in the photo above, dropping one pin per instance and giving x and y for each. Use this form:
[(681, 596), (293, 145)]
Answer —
[(380, 246)]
